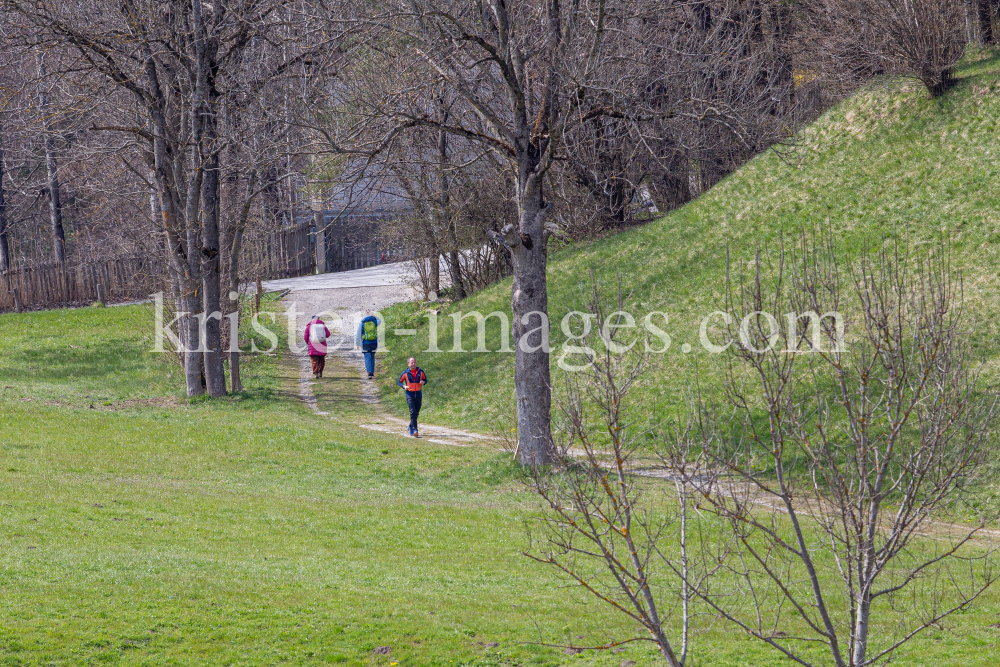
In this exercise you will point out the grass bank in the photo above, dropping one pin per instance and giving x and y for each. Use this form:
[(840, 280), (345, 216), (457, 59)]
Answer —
[(888, 161)]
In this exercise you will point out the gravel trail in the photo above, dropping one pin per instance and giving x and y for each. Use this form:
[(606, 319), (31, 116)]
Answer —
[(341, 299)]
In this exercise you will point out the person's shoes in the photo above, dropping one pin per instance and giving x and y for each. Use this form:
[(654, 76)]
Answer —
[(416, 434), (371, 375)]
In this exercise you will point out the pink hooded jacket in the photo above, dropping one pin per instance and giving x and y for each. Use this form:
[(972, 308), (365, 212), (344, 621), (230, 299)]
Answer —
[(318, 348)]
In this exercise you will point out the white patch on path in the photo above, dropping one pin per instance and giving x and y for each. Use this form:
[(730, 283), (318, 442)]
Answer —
[(399, 273)]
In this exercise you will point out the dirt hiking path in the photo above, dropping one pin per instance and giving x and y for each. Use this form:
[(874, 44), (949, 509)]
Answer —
[(346, 363), (345, 369)]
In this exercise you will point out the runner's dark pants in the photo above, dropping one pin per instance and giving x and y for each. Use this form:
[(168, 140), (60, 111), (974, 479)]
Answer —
[(413, 401)]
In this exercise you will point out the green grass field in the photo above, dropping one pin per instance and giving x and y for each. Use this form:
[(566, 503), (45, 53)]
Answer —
[(153, 530), (140, 528)]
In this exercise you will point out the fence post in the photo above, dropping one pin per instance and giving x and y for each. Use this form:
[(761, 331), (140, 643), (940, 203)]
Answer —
[(100, 294)]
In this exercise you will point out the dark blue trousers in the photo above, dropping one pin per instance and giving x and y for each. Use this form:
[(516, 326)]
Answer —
[(413, 401)]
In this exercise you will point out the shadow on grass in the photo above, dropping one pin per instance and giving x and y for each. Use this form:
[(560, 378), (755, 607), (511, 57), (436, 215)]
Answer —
[(116, 357)]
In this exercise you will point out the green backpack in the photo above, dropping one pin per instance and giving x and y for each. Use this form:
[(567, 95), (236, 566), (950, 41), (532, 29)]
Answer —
[(370, 329)]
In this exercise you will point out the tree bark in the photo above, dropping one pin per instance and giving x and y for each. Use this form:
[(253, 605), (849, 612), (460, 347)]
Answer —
[(52, 169), (319, 220), (433, 259), (447, 217), (5, 259), (206, 106), (215, 376), (455, 269), (530, 307), (177, 233), (985, 22)]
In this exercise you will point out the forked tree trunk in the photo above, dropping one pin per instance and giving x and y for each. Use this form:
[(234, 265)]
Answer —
[(180, 239)]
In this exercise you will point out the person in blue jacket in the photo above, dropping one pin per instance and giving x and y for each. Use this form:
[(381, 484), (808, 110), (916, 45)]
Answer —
[(367, 339), (412, 381)]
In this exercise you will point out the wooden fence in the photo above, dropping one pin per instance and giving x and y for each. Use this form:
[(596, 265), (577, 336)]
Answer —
[(55, 285), (352, 240), (283, 254), (350, 243)]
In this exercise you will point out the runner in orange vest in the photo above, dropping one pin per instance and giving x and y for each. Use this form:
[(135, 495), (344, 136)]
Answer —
[(412, 381)]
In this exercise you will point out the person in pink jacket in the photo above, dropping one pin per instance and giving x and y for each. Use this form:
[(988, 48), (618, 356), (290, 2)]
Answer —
[(316, 335)]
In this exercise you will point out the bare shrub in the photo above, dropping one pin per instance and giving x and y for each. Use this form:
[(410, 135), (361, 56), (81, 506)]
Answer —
[(630, 544), (850, 454), (826, 504), (855, 39)]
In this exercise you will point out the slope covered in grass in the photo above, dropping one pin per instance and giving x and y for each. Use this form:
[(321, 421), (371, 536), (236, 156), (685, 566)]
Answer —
[(888, 161)]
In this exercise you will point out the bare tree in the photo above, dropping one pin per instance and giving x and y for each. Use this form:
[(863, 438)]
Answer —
[(709, 86), (522, 72), (923, 39), (455, 193), (169, 68), (51, 166), (632, 545), (5, 259), (985, 10), (851, 449)]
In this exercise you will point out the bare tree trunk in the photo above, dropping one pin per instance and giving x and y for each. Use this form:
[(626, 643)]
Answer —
[(530, 307), (5, 260), (433, 258), (178, 234), (447, 216), (206, 101), (194, 356), (455, 269), (52, 167), (985, 22), (319, 220), (968, 21), (193, 351), (215, 376), (238, 231)]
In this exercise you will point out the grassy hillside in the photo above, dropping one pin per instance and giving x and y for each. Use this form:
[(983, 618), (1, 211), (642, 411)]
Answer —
[(886, 161)]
